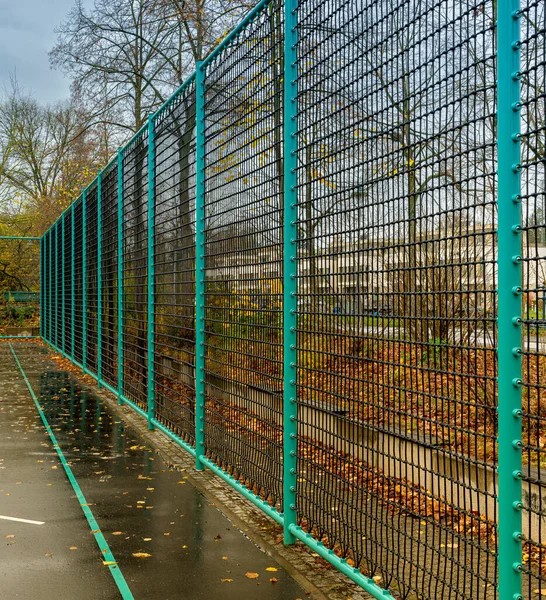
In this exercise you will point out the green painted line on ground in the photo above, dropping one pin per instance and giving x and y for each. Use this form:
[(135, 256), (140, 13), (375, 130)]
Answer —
[(106, 553)]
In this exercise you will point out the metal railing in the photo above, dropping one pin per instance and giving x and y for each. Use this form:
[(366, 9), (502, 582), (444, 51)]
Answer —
[(318, 268)]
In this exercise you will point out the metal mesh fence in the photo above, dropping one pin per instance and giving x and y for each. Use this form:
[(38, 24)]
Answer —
[(135, 261), (396, 340), (77, 281), (58, 267), (366, 410), (43, 296), (20, 290), (46, 325), (533, 60), (243, 318), (109, 258), (91, 257), (50, 282), (67, 282), (54, 281), (57, 273), (174, 252)]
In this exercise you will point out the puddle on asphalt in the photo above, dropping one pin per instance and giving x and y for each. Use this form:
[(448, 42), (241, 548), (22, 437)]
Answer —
[(184, 547)]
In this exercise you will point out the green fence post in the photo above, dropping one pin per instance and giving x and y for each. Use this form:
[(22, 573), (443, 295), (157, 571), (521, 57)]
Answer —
[(120, 276), (99, 279), (50, 275), (72, 290), (84, 279), (509, 302), (53, 285), (43, 316), (58, 291), (151, 267), (199, 265), (290, 301), (42, 288), (63, 330), (50, 287), (56, 275)]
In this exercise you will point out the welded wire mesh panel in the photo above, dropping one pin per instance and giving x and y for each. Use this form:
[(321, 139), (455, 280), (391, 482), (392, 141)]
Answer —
[(396, 303), (533, 115), (67, 274), (51, 290), (91, 256), (58, 274), (135, 260), (19, 283), (175, 266), (109, 258), (243, 182), (46, 282), (51, 281), (78, 281), (54, 290), (43, 298)]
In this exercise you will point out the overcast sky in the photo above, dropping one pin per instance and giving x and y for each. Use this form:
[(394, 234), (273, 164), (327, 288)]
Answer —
[(26, 36)]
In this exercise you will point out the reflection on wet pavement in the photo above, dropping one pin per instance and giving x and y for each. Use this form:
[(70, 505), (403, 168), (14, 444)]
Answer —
[(168, 539)]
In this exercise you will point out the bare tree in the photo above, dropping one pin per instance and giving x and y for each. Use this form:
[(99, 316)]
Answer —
[(8, 134), (52, 155), (111, 54), (127, 57)]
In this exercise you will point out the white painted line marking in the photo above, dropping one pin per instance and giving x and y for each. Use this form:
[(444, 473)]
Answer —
[(22, 520)]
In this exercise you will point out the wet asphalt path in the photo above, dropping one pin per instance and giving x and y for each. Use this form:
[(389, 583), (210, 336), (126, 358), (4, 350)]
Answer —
[(185, 548)]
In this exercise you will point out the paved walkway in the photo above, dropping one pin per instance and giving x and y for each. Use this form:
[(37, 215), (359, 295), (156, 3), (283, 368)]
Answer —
[(167, 540)]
